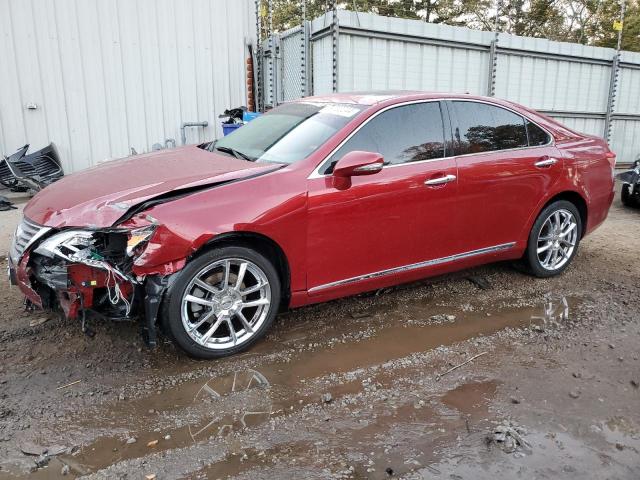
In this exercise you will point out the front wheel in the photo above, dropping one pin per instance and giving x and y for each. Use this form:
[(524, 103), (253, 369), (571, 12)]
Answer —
[(554, 239), (222, 302)]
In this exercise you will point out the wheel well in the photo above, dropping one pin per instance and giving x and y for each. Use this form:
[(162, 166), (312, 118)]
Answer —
[(578, 201), (263, 245)]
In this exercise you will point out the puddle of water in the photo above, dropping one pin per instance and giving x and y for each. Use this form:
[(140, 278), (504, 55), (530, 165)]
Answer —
[(199, 409), (471, 399)]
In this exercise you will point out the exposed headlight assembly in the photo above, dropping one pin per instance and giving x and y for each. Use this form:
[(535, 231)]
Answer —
[(67, 245)]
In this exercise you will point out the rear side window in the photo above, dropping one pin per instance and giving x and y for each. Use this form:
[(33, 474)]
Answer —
[(484, 128), (537, 136), (409, 133)]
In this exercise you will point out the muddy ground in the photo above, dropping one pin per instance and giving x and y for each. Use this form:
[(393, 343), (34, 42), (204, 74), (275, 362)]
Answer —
[(356, 388)]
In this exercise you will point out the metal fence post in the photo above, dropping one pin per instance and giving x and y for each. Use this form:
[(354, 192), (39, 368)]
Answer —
[(334, 39), (615, 75), (271, 55), (611, 98), (303, 50), (258, 56), (493, 67)]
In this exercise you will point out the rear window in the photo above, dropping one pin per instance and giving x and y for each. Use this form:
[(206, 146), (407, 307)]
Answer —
[(483, 128), (537, 136)]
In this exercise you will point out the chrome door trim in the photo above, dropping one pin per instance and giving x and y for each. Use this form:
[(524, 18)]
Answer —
[(546, 163), (316, 171), (415, 266), (440, 180)]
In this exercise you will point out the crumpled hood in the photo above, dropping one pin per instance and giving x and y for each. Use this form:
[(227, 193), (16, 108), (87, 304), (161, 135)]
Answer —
[(99, 196)]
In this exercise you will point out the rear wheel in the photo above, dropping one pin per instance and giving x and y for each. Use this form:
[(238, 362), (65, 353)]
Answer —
[(554, 239), (222, 302)]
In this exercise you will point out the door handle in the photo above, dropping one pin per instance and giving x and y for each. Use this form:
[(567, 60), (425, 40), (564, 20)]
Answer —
[(440, 180), (546, 162)]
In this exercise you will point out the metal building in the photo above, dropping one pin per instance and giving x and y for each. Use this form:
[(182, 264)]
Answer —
[(100, 77)]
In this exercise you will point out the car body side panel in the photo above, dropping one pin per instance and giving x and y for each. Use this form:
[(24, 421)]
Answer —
[(381, 221), (272, 205), (592, 173), (499, 190)]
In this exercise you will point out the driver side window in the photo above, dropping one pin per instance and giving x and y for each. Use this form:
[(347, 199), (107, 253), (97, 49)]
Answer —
[(408, 133)]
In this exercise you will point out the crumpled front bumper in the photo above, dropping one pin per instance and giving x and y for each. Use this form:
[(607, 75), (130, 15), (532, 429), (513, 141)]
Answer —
[(19, 276)]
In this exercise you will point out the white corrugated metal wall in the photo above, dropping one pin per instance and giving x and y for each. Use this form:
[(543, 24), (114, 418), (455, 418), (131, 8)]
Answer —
[(567, 81), (107, 75)]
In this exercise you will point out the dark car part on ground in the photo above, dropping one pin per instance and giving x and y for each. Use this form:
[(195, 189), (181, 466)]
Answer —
[(6, 204), (21, 172), (630, 191)]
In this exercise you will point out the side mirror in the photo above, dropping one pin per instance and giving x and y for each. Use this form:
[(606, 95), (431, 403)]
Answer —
[(358, 163)]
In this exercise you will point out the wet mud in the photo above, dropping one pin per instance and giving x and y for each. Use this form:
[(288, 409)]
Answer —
[(412, 382)]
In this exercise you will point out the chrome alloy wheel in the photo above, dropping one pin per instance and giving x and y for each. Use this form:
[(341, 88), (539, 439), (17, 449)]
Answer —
[(557, 239), (226, 303)]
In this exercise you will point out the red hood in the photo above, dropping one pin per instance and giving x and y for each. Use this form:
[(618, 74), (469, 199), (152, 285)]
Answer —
[(99, 196)]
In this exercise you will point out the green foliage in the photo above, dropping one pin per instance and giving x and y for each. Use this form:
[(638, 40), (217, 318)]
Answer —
[(589, 22)]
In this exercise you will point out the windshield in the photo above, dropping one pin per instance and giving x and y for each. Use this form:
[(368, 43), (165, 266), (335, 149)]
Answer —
[(288, 133)]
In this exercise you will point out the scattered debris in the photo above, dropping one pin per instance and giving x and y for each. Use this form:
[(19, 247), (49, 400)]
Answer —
[(574, 394), (65, 470), (68, 385), (635, 384), (38, 321), (131, 440), (515, 400), (152, 443), (510, 438), (442, 318), (42, 460), (29, 448), (327, 398), (480, 282), (389, 471), (439, 376), (6, 204), (151, 476)]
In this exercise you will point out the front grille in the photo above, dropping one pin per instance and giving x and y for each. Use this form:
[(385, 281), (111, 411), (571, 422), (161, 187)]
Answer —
[(25, 233)]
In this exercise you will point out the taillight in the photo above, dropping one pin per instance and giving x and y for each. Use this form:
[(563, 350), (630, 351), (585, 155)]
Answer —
[(612, 161)]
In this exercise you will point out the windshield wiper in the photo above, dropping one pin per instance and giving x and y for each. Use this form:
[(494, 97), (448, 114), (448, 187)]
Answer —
[(239, 155)]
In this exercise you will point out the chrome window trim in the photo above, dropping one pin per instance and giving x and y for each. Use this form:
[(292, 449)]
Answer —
[(414, 266), (316, 171)]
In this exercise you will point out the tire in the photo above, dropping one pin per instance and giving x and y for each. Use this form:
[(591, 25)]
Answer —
[(625, 196), (543, 235), (200, 299)]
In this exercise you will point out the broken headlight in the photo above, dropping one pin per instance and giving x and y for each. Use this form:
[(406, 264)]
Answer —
[(67, 245)]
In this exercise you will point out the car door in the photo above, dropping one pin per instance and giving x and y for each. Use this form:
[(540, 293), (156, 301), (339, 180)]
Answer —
[(400, 216), (505, 164)]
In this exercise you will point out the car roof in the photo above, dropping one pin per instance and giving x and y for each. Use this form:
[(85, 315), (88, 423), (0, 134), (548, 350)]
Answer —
[(370, 98), (374, 99)]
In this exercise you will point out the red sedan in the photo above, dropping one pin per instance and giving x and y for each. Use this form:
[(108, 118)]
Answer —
[(320, 198)]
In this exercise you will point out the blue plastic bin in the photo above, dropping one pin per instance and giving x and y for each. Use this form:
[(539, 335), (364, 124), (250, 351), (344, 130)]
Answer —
[(248, 116), (228, 128)]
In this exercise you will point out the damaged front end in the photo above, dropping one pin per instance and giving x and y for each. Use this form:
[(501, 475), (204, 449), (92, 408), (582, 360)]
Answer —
[(84, 271)]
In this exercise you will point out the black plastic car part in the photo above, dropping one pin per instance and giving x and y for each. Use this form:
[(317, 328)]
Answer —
[(22, 172)]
